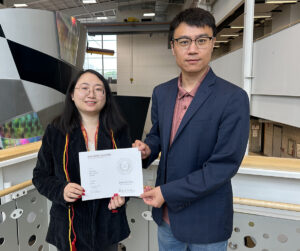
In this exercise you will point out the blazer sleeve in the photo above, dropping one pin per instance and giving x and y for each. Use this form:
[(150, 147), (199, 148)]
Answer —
[(224, 161), (153, 137), (44, 178)]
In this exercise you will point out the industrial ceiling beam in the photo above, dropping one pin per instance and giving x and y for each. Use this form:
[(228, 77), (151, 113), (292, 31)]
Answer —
[(126, 28)]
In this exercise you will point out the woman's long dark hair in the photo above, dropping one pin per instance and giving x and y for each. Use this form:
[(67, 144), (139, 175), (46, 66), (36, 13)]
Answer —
[(110, 116)]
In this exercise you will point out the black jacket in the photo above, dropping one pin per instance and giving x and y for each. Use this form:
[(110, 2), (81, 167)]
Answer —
[(95, 225)]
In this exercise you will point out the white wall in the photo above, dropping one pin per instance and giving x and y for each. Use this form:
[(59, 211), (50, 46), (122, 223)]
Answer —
[(36, 29), (148, 61), (276, 63), (276, 67), (230, 67), (282, 109)]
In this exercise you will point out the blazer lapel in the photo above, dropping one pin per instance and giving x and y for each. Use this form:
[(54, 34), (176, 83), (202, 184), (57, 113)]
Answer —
[(201, 96), (76, 145), (168, 114)]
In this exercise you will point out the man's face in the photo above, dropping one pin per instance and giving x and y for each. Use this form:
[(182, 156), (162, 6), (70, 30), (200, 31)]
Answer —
[(193, 58)]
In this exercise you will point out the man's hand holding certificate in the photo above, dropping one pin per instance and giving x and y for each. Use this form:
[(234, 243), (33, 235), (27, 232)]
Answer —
[(104, 173)]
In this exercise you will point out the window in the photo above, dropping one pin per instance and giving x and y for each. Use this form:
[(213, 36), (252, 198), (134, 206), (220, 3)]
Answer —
[(106, 65)]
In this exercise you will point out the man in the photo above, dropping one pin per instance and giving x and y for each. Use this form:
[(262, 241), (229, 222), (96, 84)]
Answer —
[(200, 126)]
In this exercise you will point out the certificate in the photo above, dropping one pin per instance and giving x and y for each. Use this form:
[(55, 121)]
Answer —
[(104, 173)]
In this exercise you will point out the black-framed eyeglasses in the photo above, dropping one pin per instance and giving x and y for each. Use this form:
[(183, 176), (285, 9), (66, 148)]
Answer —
[(185, 42)]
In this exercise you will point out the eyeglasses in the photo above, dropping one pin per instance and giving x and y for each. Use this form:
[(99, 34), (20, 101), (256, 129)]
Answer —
[(85, 91), (185, 42)]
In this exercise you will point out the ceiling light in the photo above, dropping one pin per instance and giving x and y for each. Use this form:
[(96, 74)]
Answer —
[(101, 18), (89, 1), (149, 14), (229, 35), (216, 46), (262, 16), (236, 27), (281, 1), (222, 41), (20, 5)]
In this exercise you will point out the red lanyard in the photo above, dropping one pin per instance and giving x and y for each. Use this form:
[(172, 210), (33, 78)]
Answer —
[(65, 165), (86, 137)]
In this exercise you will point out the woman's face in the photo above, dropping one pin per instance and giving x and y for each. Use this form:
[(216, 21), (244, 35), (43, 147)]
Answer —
[(89, 94)]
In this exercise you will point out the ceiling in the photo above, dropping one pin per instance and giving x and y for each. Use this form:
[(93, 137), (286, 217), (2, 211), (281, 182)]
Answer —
[(122, 12), (114, 10), (236, 19)]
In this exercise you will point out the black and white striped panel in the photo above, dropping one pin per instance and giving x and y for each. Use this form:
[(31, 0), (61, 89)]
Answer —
[(1, 32), (37, 67)]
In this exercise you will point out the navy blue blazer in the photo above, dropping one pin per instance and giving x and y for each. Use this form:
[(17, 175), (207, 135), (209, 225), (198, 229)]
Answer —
[(195, 172)]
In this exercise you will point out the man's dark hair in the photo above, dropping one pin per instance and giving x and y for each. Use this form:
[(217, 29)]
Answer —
[(193, 17), (110, 116)]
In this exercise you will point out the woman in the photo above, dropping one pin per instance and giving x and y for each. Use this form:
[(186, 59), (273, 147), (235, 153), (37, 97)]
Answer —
[(90, 121)]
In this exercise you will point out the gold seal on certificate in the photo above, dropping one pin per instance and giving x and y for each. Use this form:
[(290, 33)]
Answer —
[(104, 173)]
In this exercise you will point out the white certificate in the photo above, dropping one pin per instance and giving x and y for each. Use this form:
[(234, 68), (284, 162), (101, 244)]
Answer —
[(104, 173)]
